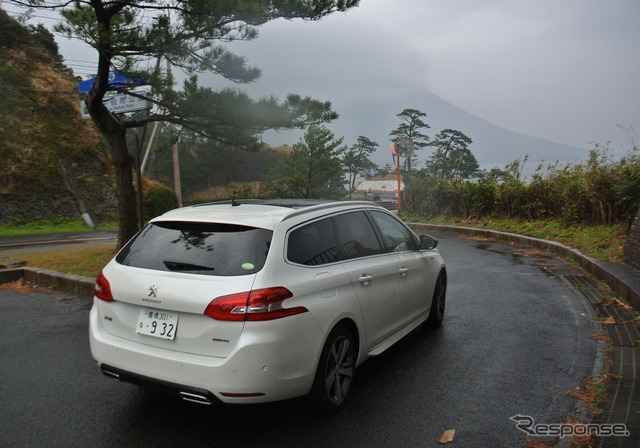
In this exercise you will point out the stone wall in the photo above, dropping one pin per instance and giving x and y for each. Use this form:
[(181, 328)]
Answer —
[(631, 254)]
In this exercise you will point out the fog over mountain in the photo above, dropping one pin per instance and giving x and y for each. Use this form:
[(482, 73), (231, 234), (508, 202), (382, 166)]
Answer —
[(492, 145)]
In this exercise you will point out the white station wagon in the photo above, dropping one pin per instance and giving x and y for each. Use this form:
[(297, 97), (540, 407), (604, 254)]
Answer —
[(256, 301)]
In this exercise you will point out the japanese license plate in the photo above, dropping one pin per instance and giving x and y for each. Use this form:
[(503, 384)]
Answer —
[(156, 323)]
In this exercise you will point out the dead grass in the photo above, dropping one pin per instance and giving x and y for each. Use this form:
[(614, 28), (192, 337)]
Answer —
[(84, 262), (531, 252), (225, 192), (538, 444), (610, 320), (577, 441), (614, 301), (599, 337), (23, 287), (476, 238), (591, 393)]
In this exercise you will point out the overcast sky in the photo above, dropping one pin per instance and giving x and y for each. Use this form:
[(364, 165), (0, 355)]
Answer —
[(563, 70)]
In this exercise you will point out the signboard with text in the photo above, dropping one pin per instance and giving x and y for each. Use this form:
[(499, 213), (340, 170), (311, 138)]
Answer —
[(120, 103)]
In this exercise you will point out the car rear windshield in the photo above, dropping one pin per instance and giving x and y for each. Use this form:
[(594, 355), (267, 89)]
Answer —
[(200, 248)]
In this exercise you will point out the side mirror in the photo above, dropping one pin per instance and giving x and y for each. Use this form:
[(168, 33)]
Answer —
[(427, 242)]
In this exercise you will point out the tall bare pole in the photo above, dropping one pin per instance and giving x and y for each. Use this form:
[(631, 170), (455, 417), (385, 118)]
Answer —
[(146, 153), (174, 149)]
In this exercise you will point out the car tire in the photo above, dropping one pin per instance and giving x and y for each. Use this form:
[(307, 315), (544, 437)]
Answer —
[(438, 302), (335, 373)]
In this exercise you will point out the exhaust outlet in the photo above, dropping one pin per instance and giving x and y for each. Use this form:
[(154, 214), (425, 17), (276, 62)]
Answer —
[(195, 398), (110, 374)]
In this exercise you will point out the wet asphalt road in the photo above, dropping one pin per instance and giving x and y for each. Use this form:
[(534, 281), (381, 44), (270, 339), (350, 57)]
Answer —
[(11, 246), (513, 341)]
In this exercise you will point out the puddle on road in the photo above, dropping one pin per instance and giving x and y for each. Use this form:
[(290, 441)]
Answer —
[(491, 247), (551, 265)]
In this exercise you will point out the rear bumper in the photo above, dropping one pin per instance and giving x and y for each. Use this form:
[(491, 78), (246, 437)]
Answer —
[(192, 394), (270, 362)]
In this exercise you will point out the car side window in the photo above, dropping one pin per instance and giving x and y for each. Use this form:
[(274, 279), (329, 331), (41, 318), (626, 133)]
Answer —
[(356, 236), (313, 244), (397, 237)]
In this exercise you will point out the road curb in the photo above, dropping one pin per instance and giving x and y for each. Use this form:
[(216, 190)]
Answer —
[(70, 283), (622, 279)]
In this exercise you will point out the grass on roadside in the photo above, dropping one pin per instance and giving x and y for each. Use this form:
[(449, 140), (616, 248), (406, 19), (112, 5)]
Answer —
[(85, 262), (49, 225), (603, 243)]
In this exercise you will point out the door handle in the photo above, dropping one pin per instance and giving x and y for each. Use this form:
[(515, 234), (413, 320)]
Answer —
[(365, 279), (403, 271)]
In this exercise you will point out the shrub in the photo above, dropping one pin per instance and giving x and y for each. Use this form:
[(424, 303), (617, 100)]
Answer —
[(598, 191), (158, 200)]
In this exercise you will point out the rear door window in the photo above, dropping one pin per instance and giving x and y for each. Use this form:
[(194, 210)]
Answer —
[(356, 236), (313, 244), (199, 248)]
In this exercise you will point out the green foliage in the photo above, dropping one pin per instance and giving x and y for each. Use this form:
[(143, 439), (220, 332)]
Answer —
[(599, 241), (241, 191), (385, 170), (230, 117), (36, 40), (158, 200), (12, 33), (452, 158), (357, 161), (599, 191), (411, 126), (311, 170), (432, 197)]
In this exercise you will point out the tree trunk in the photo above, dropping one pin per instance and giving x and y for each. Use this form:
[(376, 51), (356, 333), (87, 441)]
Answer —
[(125, 192), (177, 185), (122, 162)]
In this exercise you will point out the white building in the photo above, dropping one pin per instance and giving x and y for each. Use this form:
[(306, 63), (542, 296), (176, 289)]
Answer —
[(378, 190)]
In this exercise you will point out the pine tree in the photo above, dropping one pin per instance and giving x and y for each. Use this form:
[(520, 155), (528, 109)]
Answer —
[(132, 36)]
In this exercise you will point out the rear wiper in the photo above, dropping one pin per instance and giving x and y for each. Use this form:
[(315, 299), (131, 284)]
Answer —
[(182, 266)]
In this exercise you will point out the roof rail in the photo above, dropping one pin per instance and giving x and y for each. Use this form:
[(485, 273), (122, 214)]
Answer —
[(229, 202), (337, 204)]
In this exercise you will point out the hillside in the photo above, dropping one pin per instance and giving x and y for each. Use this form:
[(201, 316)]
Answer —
[(51, 160)]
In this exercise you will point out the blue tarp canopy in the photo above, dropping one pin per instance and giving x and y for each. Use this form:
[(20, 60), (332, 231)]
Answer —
[(116, 80)]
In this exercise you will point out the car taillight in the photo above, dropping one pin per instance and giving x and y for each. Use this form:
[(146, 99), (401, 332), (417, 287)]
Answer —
[(102, 289), (259, 304)]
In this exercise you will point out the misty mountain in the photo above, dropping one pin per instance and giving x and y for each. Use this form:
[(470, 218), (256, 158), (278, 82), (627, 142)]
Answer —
[(492, 145)]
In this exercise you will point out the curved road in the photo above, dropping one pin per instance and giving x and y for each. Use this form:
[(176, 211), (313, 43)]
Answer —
[(45, 242), (513, 341)]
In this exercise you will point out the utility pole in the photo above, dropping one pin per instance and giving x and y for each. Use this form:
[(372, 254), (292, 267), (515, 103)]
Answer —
[(146, 154), (174, 149)]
